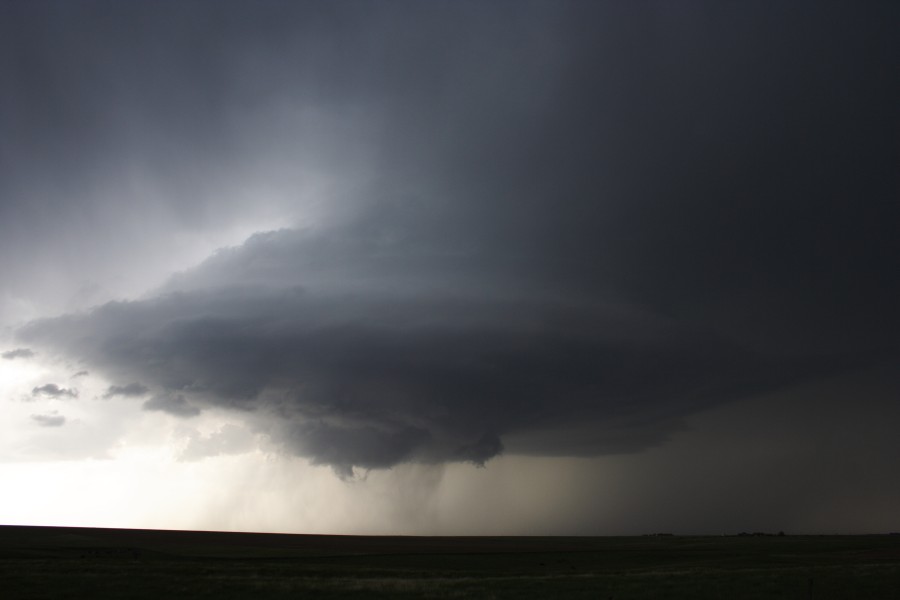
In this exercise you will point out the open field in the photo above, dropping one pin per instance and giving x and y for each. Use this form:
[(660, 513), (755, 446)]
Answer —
[(55, 562)]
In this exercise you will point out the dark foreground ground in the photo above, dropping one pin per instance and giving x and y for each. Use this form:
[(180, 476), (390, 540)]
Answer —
[(57, 562)]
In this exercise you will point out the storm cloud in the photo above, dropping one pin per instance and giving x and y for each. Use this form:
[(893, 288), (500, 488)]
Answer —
[(550, 228), (372, 348)]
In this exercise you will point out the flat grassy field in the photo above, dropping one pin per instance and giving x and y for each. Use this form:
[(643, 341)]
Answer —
[(60, 562)]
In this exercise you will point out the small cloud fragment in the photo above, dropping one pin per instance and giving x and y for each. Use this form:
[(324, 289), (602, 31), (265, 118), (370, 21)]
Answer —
[(51, 390), (53, 419), (130, 391), (173, 404), (17, 353), (80, 374)]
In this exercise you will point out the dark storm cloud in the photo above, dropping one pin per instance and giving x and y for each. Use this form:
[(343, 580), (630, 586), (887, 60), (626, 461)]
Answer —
[(130, 390), (51, 390), (49, 420), (174, 404), (393, 353), (570, 225), (17, 353)]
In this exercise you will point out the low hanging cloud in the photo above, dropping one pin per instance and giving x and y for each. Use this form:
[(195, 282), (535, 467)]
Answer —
[(17, 353), (52, 419), (359, 349), (51, 390)]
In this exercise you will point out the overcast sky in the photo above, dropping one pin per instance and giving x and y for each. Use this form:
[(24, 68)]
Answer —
[(450, 267)]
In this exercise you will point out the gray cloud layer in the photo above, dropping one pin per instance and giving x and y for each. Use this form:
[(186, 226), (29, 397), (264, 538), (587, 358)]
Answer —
[(555, 227), (17, 353)]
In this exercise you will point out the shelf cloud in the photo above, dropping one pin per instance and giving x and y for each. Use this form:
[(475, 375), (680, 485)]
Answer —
[(372, 348)]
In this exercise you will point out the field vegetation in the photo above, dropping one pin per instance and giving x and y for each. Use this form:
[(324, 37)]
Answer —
[(49, 562)]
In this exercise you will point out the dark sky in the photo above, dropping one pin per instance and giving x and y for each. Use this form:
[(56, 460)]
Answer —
[(390, 233)]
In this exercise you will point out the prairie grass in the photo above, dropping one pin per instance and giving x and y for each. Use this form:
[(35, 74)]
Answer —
[(99, 564)]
